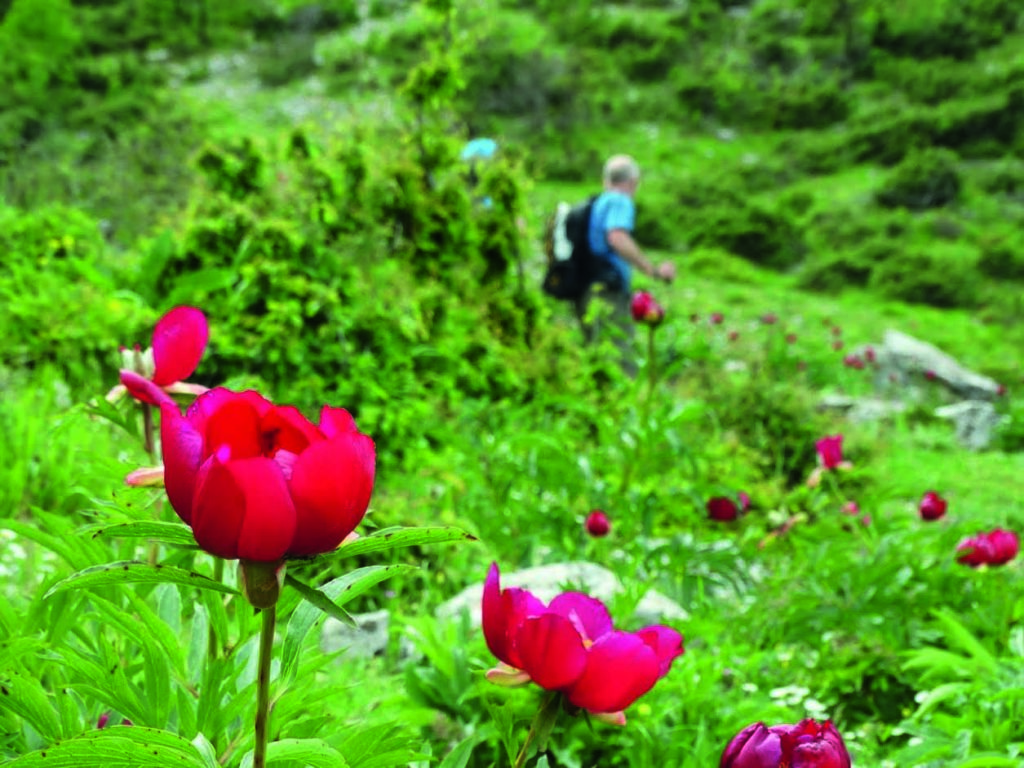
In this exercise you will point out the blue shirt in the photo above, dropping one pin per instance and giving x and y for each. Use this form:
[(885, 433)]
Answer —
[(612, 210)]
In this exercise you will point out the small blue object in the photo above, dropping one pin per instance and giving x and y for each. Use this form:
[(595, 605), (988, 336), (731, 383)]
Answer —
[(479, 149)]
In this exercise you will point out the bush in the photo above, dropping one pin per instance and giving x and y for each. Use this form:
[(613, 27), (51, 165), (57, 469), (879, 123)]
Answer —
[(1003, 260), (926, 179), (850, 268), (754, 231), (919, 278)]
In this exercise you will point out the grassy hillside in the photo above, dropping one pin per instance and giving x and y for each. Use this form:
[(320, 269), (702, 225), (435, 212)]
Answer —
[(848, 166)]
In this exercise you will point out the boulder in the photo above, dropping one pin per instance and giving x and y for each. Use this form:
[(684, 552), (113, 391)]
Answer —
[(367, 639), (975, 422), (902, 358)]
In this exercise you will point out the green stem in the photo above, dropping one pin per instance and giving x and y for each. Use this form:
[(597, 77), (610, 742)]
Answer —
[(540, 728), (645, 409), (218, 576), (652, 368), (259, 756)]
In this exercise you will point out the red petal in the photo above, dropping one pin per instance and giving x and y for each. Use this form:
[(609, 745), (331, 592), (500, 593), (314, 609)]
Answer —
[(285, 427), (179, 341), (243, 509), (182, 449), (666, 643), (551, 651), (620, 668), (755, 745), (144, 390), (493, 616), (234, 424), (334, 421), (331, 483), (586, 613)]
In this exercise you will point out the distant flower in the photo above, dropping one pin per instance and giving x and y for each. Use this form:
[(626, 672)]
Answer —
[(791, 338), (570, 645), (769, 318), (722, 509), (179, 341), (1001, 390), (807, 744), (744, 501), (646, 310), (717, 318), (853, 361), (830, 451), (869, 355), (851, 508), (837, 331), (932, 506), (597, 524), (995, 547), (930, 375), (837, 344), (734, 335)]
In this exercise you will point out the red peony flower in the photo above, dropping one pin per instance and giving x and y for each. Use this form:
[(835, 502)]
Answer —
[(646, 310), (995, 547), (807, 744), (259, 482), (791, 338), (769, 318), (932, 506), (179, 340), (571, 646), (830, 451), (722, 509), (734, 335), (716, 318), (597, 524), (869, 355), (837, 344), (853, 361), (851, 508)]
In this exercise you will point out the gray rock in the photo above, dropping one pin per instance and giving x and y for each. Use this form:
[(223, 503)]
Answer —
[(367, 639), (546, 581), (975, 422), (862, 409), (902, 357)]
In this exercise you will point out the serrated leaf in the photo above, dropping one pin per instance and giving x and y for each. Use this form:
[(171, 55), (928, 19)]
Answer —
[(308, 752), (134, 572), (117, 747), (340, 591), (174, 534), (387, 539)]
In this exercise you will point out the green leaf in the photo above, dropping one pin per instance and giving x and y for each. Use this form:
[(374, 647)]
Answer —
[(116, 747), (387, 539), (990, 761), (175, 534), (307, 752), (340, 591), (321, 601), (459, 756), (26, 698), (133, 572)]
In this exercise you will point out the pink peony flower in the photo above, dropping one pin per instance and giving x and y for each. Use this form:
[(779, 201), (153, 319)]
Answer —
[(807, 744), (932, 506), (179, 340), (646, 310), (597, 524), (722, 509), (995, 547), (571, 646)]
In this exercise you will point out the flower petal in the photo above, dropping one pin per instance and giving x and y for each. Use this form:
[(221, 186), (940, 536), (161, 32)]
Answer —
[(234, 424), (551, 651), (493, 617), (335, 421), (331, 484), (182, 449), (587, 614), (755, 745), (144, 390), (284, 427), (666, 643), (243, 509), (620, 668), (179, 341)]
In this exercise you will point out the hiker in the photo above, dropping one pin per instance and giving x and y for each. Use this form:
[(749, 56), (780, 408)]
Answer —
[(616, 254)]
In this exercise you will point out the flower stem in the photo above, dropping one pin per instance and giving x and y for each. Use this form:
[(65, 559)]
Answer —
[(259, 757), (218, 576), (652, 368), (540, 728)]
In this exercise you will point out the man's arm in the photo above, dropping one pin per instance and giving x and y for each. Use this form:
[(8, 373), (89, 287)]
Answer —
[(625, 246)]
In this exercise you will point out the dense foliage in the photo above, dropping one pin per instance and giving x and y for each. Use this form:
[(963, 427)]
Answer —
[(292, 169)]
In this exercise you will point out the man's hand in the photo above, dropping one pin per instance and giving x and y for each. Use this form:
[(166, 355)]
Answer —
[(665, 271)]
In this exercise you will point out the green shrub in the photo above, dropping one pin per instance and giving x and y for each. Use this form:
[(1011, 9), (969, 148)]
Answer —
[(926, 179), (849, 268), (1003, 259), (920, 278), (754, 231)]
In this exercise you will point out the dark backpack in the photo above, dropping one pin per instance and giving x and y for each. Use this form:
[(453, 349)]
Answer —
[(569, 278)]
